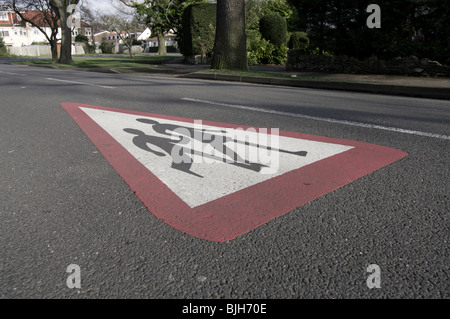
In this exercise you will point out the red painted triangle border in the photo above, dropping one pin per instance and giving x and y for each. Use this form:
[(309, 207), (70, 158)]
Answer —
[(235, 214)]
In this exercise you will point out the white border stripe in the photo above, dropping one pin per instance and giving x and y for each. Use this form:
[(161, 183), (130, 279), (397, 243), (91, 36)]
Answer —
[(325, 119), (81, 83)]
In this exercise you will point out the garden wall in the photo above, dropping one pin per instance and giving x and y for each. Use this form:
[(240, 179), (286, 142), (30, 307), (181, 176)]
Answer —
[(343, 64), (40, 50)]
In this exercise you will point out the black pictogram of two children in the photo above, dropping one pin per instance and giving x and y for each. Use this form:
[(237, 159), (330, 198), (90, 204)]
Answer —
[(181, 154)]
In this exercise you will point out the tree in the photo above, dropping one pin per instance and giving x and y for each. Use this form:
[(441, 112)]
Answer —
[(46, 17), (161, 16), (54, 14), (3, 50), (230, 49), (65, 9), (408, 27), (279, 7), (158, 15), (90, 17), (123, 26)]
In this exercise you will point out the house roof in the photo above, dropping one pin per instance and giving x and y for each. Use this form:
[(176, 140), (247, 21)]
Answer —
[(38, 18), (12, 19)]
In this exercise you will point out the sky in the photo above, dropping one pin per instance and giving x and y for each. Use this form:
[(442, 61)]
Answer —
[(103, 5)]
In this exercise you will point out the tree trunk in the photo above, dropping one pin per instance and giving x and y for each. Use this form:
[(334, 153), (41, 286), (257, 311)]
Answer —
[(54, 49), (161, 43), (129, 46), (66, 37), (230, 49)]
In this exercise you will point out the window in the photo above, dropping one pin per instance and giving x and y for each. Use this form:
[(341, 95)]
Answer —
[(4, 16), (4, 33)]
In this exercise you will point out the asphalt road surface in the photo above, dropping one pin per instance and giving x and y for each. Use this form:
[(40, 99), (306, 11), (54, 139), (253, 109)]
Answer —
[(63, 204)]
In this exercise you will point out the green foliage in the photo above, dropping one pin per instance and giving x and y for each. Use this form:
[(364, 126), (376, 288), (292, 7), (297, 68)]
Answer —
[(408, 27), (262, 51), (39, 43), (274, 29), (298, 40), (205, 45), (259, 51), (89, 48), (81, 38), (198, 27), (3, 50), (256, 9), (160, 15), (253, 13), (279, 56), (278, 7), (318, 51), (106, 48)]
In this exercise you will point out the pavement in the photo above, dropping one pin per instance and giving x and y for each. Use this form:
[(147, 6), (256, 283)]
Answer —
[(425, 87)]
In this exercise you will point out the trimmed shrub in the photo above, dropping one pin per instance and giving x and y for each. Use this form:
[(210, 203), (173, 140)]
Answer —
[(205, 45), (88, 48), (81, 38), (198, 21), (274, 29), (298, 40), (106, 47)]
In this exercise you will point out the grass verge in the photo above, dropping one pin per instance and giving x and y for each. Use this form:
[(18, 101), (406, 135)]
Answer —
[(138, 62)]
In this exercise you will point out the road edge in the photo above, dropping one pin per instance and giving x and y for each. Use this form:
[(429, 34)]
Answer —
[(388, 89)]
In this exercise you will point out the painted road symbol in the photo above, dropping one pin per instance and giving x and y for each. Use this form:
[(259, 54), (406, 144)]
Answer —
[(214, 183), (184, 153)]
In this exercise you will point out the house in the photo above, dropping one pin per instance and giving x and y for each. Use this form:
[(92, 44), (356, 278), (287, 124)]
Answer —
[(84, 29), (169, 39), (114, 38), (18, 33), (144, 36), (12, 29)]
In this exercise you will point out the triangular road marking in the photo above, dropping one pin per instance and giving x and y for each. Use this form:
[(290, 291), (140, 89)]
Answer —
[(220, 195), (208, 181)]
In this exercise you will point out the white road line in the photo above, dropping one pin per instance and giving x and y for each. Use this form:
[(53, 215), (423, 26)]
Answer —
[(324, 119), (12, 73), (81, 83)]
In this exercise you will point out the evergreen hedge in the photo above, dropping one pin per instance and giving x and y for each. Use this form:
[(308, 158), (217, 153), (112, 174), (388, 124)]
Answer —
[(274, 29), (106, 48), (197, 20), (298, 40)]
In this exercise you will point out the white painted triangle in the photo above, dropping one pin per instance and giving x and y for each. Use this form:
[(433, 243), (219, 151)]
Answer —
[(217, 179)]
